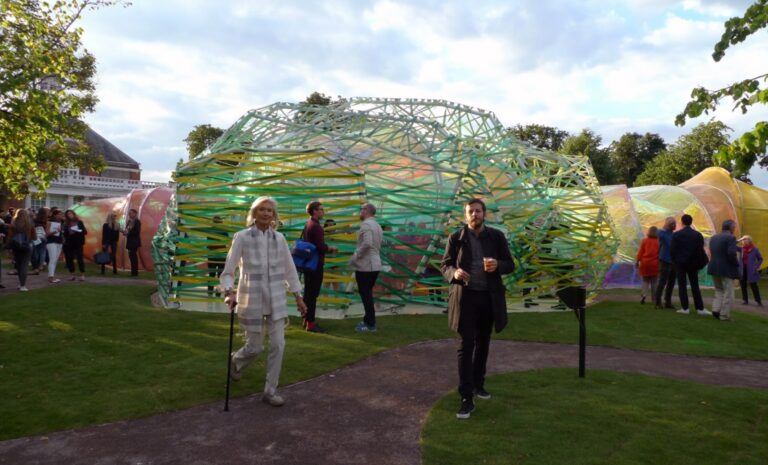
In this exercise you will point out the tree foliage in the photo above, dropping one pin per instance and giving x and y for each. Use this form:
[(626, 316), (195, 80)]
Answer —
[(543, 137), (741, 154), (200, 138), (687, 157), (46, 86), (630, 154), (588, 144)]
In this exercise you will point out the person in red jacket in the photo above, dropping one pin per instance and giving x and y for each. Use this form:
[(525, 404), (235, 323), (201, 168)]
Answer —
[(648, 263)]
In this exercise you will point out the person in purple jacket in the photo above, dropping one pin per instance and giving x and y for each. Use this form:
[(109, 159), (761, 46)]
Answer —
[(751, 259), (313, 280)]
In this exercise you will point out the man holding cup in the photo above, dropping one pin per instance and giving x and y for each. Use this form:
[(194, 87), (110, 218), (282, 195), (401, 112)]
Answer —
[(475, 258)]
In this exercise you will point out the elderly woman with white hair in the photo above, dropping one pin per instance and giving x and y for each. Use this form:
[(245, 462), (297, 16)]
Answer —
[(265, 263), (751, 260)]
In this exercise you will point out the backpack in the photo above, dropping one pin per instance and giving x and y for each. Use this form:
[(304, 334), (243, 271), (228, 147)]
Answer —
[(20, 243)]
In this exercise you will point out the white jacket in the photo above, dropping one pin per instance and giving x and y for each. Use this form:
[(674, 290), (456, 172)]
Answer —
[(367, 254)]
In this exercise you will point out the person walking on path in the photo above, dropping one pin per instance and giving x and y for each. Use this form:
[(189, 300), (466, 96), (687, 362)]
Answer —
[(751, 259), (475, 259), (74, 240), (724, 268), (133, 239), (266, 265), (110, 235), (54, 232), (648, 263), (689, 257), (19, 239), (366, 261), (667, 272), (313, 280)]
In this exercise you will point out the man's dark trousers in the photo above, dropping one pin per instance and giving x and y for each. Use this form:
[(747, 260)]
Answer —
[(475, 325), (693, 278), (365, 282), (667, 278), (313, 280)]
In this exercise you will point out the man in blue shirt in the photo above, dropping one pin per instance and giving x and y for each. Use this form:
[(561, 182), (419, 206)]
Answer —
[(667, 268)]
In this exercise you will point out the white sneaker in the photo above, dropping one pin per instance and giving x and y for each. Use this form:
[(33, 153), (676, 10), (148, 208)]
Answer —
[(683, 311), (23, 289), (704, 312), (274, 400)]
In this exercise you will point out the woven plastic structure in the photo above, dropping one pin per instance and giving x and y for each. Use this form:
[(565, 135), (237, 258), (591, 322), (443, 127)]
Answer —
[(417, 161), (710, 197)]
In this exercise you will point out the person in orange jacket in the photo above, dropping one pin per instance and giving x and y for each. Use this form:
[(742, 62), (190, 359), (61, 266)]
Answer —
[(648, 263)]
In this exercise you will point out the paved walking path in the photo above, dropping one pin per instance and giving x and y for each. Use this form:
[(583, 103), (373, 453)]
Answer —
[(371, 412), (38, 281)]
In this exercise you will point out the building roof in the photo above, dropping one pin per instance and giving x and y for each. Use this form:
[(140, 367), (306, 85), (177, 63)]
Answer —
[(112, 155)]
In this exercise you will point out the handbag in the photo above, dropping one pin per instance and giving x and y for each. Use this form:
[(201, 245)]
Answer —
[(102, 258), (305, 255), (702, 260)]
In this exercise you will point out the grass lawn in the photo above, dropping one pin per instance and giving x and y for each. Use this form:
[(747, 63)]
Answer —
[(546, 417), (81, 355), (635, 326)]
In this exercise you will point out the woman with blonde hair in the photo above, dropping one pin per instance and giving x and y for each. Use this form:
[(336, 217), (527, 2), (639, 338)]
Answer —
[(264, 259), (648, 263), (19, 240), (751, 259)]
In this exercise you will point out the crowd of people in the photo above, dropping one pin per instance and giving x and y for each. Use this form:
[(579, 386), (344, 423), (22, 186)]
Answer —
[(668, 256), (37, 239)]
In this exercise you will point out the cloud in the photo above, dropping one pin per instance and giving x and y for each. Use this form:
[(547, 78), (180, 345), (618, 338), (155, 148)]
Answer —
[(615, 67)]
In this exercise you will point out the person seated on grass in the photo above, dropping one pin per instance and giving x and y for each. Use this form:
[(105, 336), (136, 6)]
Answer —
[(264, 259)]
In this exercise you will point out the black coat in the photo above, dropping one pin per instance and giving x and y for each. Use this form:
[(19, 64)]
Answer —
[(458, 254), (725, 259), (109, 235), (688, 249), (74, 239), (133, 238)]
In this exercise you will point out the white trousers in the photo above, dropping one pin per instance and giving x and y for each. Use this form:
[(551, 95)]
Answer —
[(54, 250), (254, 345), (723, 295)]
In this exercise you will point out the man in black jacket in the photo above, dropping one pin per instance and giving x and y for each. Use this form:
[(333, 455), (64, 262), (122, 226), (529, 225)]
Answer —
[(724, 268), (474, 260), (689, 257)]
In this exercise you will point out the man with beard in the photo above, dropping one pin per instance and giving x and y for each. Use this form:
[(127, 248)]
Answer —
[(475, 258)]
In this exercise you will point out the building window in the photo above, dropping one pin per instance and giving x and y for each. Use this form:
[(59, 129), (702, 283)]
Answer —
[(37, 202), (59, 201)]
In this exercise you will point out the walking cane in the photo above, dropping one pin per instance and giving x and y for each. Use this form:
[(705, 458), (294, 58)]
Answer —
[(229, 354)]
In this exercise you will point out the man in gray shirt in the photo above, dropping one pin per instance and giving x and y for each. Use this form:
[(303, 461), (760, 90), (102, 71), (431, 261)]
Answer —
[(366, 261)]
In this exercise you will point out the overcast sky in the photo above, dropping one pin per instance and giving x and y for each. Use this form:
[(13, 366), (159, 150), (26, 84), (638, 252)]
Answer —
[(165, 66)]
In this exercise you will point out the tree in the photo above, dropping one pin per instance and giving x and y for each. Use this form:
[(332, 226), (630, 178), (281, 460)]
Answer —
[(543, 137), (630, 154), (200, 138), (587, 143), (741, 154), (317, 98), (46, 86), (687, 157)]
